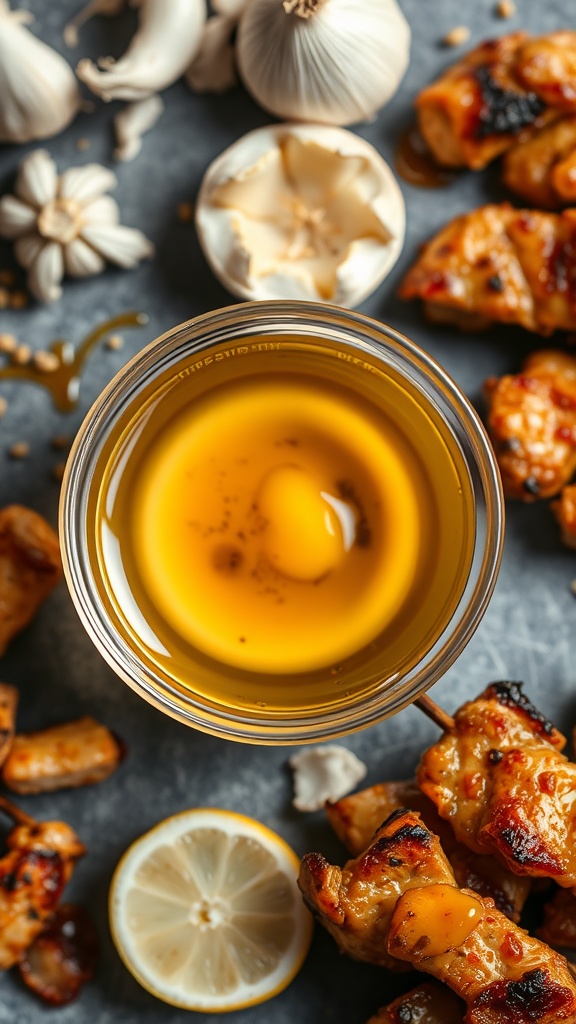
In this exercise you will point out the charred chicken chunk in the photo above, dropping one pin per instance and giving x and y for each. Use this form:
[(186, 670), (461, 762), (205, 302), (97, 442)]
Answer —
[(74, 754), (356, 903), (39, 862), (532, 423), (559, 925), (8, 705), (500, 264), (500, 779), (565, 511), (30, 568), (500, 971), (543, 168), (426, 1004), (62, 957), (356, 818)]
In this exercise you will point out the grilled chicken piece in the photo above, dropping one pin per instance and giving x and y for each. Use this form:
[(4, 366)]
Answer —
[(543, 168), (426, 1004), (565, 511), (559, 926), (74, 754), (500, 779), (30, 568), (500, 971), (500, 264), (356, 818), (62, 958), (356, 903), (40, 860), (532, 423), (8, 705), (479, 106)]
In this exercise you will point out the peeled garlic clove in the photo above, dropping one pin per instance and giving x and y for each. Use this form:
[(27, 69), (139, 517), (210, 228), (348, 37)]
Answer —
[(15, 217), (119, 244), (27, 249), (164, 45), (46, 273), (132, 123), (333, 61), (37, 179), (81, 260), (214, 68), (324, 773), (301, 211), (103, 210), (86, 183), (39, 95)]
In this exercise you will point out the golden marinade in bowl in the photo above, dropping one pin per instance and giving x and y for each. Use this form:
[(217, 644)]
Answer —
[(278, 522)]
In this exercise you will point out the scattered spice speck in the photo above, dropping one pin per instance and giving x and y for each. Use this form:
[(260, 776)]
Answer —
[(20, 450), (3, 406), (185, 213), (7, 277), (22, 355), (46, 362), (58, 471), (60, 442), (505, 8), (8, 344), (114, 342), (83, 144), (18, 300), (4, 298), (457, 36)]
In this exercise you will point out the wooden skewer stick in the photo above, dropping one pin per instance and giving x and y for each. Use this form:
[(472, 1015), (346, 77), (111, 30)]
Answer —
[(14, 812), (435, 712)]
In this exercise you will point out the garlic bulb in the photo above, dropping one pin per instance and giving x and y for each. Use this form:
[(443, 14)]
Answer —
[(302, 212), (335, 61), (66, 224), (38, 92), (165, 43)]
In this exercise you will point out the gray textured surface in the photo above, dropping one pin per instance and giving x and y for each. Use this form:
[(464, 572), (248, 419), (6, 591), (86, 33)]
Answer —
[(528, 632)]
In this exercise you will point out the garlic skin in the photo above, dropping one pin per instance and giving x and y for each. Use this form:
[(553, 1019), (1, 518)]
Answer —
[(165, 43), (66, 225), (39, 95), (301, 212), (106, 7), (132, 122), (324, 773), (333, 61), (214, 66)]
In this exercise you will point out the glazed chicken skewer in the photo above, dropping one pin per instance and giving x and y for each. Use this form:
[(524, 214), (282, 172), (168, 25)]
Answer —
[(399, 899)]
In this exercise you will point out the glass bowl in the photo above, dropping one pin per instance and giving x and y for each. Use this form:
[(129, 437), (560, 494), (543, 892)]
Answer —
[(404, 390)]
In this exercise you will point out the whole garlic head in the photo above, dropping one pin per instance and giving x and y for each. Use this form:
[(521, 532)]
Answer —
[(301, 212), (39, 94), (66, 224)]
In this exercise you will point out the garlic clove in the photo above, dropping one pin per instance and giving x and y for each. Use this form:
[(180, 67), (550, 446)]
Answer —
[(214, 67), (81, 260), (16, 217), (230, 8), (86, 183), (27, 249), (37, 178), (103, 210), (301, 211), (46, 273), (132, 123), (119, 244), (324, 773)]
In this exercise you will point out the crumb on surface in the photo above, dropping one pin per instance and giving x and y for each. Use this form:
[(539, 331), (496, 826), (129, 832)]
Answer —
[(8, 344), (82, 144), (7, 277), (21, 355), (114, 342), (3, 406), (4, 298), (20, 450), (18, 300), (60, 442), (505, 8), (185, 212), (457, 36), (46, 362)]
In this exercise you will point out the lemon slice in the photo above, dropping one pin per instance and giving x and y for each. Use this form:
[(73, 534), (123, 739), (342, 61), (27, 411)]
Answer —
[(206, 914)]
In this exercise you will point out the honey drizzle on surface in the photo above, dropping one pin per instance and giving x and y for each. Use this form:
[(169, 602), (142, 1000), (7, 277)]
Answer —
[(63, 383), (416, 165)]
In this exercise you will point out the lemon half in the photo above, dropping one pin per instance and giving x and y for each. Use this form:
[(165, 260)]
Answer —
[(206, 914)]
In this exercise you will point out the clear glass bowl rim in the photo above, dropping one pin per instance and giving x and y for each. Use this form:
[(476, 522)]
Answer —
[(363, 334)]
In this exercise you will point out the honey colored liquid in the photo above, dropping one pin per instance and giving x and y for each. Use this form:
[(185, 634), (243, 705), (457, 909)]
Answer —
[(264, 535)]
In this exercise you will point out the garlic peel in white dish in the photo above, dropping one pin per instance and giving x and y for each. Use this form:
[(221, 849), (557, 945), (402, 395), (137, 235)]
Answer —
[(302, 212), (324, 773), (167, 38), (39, 94), (333, 61), (66, 225)]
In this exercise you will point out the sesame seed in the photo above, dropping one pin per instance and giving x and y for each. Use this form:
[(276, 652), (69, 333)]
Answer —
[(115, 342), (58, 471), (3, 406), (46, 362), (18, 300), (8, 344), (20, 450), (505, 8), (457, 36), (22, 355), (185, 213)]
